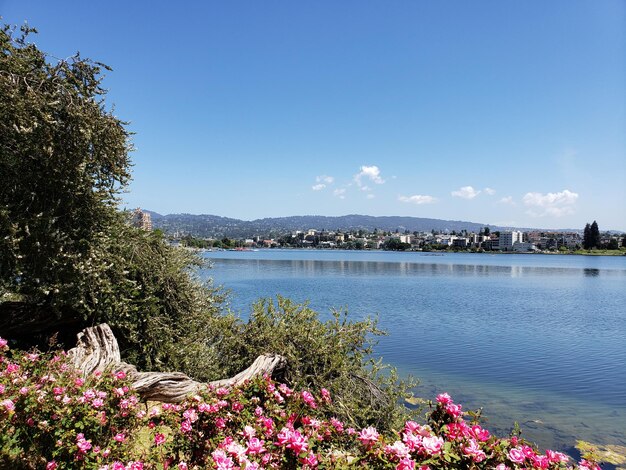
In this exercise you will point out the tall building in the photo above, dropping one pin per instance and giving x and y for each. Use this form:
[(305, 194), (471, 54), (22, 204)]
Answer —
[(142, 220), (508, 239)]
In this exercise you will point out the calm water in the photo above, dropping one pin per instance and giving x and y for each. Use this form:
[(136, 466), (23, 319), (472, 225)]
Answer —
[(540, 340)]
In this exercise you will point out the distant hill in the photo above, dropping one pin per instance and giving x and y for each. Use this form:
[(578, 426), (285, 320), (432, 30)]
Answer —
[(215, 226)]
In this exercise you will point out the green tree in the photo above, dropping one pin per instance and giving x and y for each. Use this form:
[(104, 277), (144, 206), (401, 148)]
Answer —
[(624, 241), (63, 159), (587, 243), (595, 235), (591, 236), (68, 256)]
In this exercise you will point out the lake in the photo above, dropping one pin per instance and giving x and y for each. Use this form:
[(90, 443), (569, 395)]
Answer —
[(536, 339)]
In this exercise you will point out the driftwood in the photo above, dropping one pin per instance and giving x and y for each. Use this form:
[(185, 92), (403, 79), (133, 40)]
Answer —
[(97, 351)]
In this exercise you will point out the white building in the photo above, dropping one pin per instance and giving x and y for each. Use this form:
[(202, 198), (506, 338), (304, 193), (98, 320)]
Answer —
[(508, 239)]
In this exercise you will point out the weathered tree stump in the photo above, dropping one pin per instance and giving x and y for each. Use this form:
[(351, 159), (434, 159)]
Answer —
[(97, 351)]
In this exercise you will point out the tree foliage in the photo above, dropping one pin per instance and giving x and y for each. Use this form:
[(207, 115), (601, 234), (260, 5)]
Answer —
[(591, 236), (63, 157)]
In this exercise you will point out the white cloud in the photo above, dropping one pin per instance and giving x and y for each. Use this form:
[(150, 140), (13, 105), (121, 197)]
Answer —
[(318, 187), (507, 200), (340, 193), (466, 192), (370, 196), (370, 172), (324, 179), (554, 204), (490, 191), (417, 199)]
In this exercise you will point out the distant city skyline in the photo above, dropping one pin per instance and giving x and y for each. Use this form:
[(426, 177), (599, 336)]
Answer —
[(504, 113)]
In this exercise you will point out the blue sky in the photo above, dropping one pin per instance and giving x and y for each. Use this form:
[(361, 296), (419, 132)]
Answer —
[(501, 112)]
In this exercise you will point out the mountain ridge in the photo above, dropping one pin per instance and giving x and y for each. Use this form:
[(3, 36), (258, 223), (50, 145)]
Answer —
[(208, 225)]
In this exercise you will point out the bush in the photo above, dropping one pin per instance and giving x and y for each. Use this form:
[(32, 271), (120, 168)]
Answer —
[(52, 418), (336, 353)]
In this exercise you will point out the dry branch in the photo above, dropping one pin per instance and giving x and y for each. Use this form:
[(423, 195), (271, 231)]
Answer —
[(97, 351)]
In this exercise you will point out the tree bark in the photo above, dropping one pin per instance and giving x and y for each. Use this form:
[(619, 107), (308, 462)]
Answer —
[(97, 351)]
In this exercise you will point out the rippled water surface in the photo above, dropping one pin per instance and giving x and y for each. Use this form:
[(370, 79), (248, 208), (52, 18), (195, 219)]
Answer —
[(536, 339)]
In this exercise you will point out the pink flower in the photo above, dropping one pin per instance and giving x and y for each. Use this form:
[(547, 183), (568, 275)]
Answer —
[(405, 464), (453, 410), (255, 446), (432, 445), (182, 466), (159, 439), (308, 398), (502, 467), (310, 460), (185, 426), (8, 405), (222, 461), (3, 343), (83, 444), (473, 450), (297, 443), (325, 395), (191, 415), (368, 436), (120, 375), (97, 403), (119, 437), (556, 456), (52, 465), (516, 455), (444, 399), (398, 450), (480, 433)]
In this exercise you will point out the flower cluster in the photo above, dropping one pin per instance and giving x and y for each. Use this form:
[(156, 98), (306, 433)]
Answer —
[(50, 417)]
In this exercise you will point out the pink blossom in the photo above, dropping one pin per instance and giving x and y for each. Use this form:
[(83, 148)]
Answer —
[(432, 445), (310, 460), (255, 446), (297, 442), (182, 466), (159, 439), (119, 437), (191, 415), (308, 398), (516, 455), (405, 464), (83, 444), (501, 466), (8, 405), (473, 450), (454, 410), (325, 395), (479, 433), (556, 457), (3, 343), (23, 390), (97, 403), (120, 375), (79, 382), (222, 461), (398, 449), (368, 436), (185, 426), (285, 390), (444, 399)]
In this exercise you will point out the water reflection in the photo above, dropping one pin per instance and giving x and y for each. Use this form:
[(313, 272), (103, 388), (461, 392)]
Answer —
[(403, 268)]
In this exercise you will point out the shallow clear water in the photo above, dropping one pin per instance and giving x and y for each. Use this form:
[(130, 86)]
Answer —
[(536, 339)]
